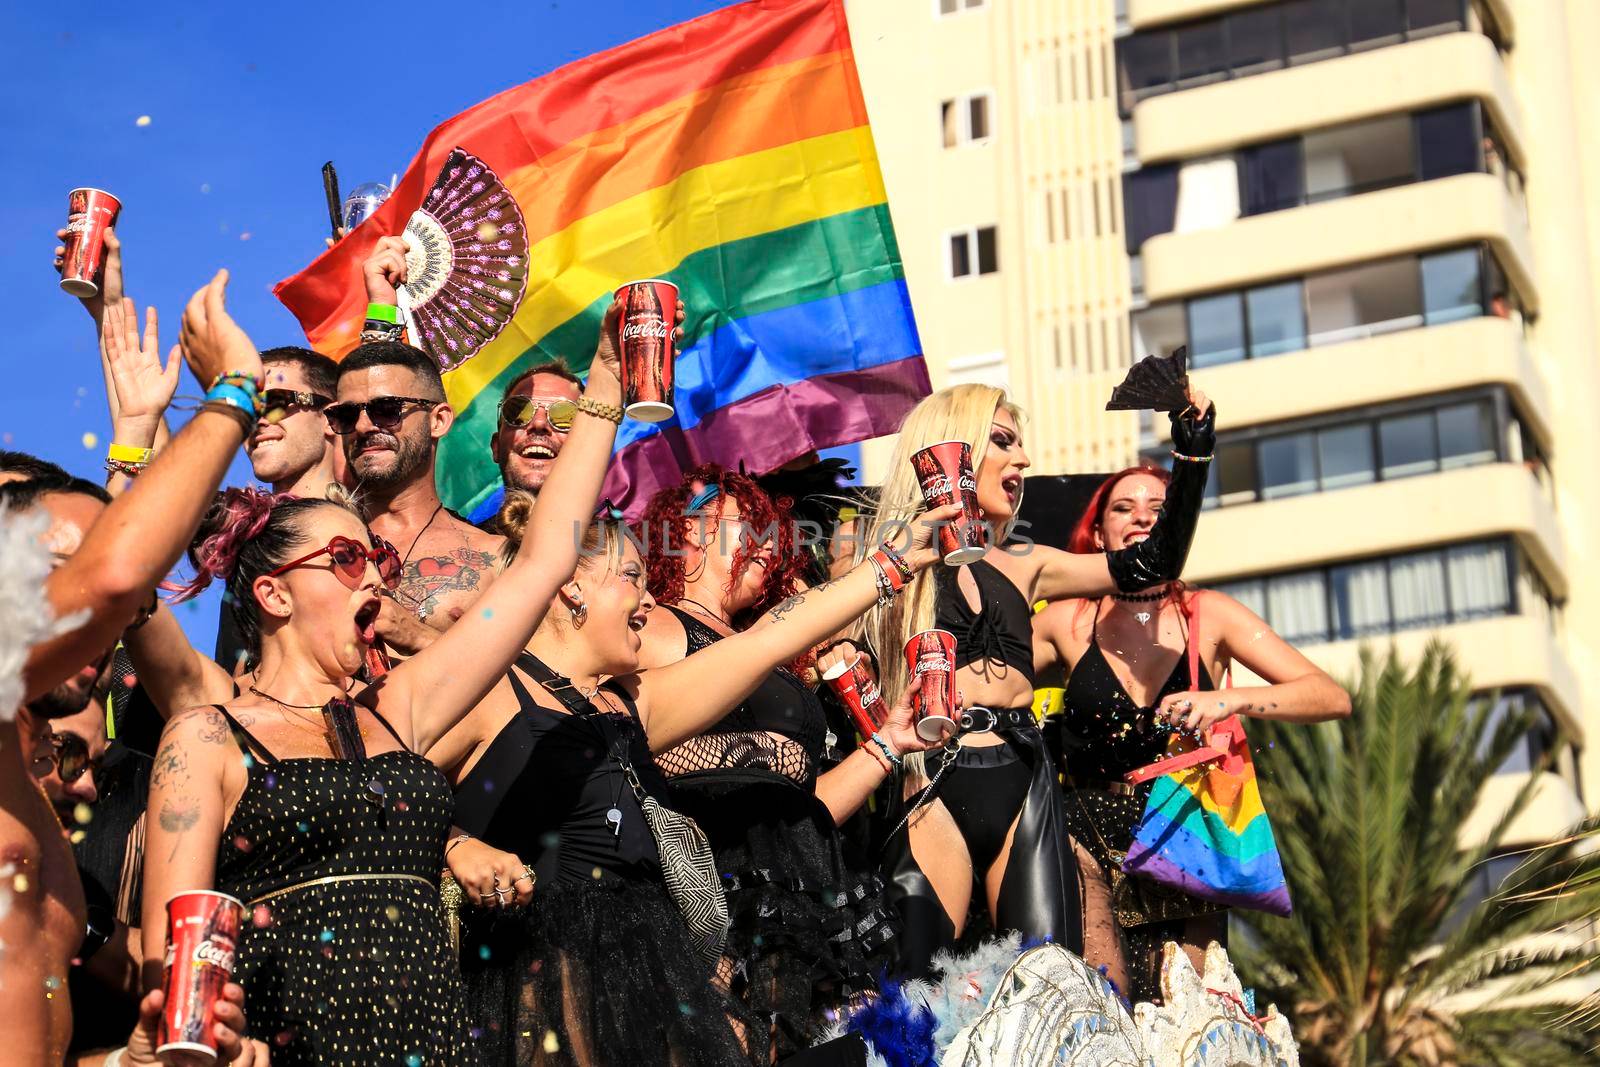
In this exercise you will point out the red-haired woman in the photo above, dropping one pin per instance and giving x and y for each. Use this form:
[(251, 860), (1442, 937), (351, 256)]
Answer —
[(1128, 687), (807, 932)]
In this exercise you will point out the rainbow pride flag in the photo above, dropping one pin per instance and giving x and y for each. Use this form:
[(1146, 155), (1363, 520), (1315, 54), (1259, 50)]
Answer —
[(1205, 832), (731, 155)]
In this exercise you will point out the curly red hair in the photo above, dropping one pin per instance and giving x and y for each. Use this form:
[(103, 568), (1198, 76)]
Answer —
[(667, 523)]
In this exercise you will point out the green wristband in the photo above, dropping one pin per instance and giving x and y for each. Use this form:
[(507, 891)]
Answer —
[(383, 313)]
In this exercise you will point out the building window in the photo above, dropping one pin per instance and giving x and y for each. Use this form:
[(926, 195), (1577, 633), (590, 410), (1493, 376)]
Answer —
[(965, 120), (950, 7), (1277, 318), (973, 252), (1358, 158), (1269, 36), (1344, 449), (1271, 176), (1438, 587), (1329, 308)]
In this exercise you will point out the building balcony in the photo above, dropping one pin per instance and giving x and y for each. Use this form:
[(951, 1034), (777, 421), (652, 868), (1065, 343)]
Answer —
[(1319, 237), (1437, 359), (1421, 75), (1383, 519)]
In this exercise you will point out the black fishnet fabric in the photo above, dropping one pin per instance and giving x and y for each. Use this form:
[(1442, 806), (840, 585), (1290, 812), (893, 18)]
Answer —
[(779, 730)]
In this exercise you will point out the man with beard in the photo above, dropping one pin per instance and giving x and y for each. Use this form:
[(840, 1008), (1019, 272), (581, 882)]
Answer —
[(534, 419), (391, 413)]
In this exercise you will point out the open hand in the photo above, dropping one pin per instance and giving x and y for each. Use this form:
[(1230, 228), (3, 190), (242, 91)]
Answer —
[(233, 1048), (385, 270), (143, 387), (488, 877), (212, 342), (110, 274)]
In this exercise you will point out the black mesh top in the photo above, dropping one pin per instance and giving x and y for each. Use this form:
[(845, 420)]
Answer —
[(1001, 630), (780, 729)]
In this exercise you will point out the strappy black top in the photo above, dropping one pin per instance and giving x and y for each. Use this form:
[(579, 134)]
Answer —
[(1104, 734), (1000, 630), (780, 728), (543, 787)]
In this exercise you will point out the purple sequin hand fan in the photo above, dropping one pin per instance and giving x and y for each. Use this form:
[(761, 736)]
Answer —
[(466, 262), (1155, 383)]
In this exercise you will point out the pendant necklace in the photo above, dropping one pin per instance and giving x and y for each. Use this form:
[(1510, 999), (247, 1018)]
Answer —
[(1141, 617)]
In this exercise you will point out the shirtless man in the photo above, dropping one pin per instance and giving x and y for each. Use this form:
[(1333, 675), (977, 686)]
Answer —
[(391, 413)]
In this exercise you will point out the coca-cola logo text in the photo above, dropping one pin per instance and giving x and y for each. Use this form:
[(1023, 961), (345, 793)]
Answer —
[(214, 953), (937, 486), (969, 484), (931, 663), (651, 329)]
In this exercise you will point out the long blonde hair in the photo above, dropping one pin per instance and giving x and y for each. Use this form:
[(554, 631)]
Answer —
[(959, 413)]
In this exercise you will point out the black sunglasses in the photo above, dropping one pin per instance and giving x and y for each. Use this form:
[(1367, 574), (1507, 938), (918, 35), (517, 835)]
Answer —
[(69, 755), (386, 412), (279, 404)]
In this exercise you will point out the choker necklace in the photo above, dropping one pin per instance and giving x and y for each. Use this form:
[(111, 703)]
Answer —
[(1141, 617)]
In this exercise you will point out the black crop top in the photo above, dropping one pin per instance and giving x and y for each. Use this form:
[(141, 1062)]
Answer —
[(1000, 630), (779, 729), (543, 787), (1104, 734)]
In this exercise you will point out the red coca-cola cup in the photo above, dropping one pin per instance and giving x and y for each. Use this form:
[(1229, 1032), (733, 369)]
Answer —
[(931, 664), (202, 936), (944, 471), (644, 339), (852, 682), (90, 212)]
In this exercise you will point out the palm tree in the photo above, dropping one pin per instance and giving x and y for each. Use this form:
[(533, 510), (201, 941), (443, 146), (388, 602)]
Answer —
[(1390, 957)]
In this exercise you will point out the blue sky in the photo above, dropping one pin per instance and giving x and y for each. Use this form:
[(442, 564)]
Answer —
[(246, 102)]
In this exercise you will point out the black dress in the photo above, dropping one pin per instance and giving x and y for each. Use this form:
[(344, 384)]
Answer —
[(343, 953), (807, 931), (1104, 735), (599, 969)]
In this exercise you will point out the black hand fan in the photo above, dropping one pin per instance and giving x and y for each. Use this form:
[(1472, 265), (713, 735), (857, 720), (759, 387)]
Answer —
[(466, 262), (1155, 383)]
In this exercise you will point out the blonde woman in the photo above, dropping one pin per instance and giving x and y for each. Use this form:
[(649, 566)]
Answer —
[(992, 820)]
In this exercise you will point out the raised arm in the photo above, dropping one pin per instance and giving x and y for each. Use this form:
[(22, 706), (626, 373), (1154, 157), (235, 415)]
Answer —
[(138, 388), (435, 688), (141, 535), (174, 673), (1297, 690), (184, 819), (684, 698), (1159, 557)]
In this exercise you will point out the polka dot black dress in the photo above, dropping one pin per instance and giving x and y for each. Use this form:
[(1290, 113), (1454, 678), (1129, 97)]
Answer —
[(343, 953)]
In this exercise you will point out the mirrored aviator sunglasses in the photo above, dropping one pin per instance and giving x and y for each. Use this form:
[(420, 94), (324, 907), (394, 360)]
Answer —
[(519, 410)]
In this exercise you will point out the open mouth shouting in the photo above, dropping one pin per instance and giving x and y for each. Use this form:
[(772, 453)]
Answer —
[(367, 620)]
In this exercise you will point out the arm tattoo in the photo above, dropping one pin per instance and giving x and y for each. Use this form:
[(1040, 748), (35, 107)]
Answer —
[(170, 762), (787, 606), (178, 816)]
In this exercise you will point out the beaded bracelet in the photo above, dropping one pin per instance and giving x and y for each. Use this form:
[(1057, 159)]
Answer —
[(888, 753), (885, 584), (1190, 459), (899, 561), (123, 467), (886, 562)]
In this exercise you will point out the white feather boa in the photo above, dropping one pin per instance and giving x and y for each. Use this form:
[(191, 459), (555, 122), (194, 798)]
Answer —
[(25, 616)]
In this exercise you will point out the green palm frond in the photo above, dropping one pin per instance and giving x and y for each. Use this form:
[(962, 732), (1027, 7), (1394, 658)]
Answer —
[(1390, 958)]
